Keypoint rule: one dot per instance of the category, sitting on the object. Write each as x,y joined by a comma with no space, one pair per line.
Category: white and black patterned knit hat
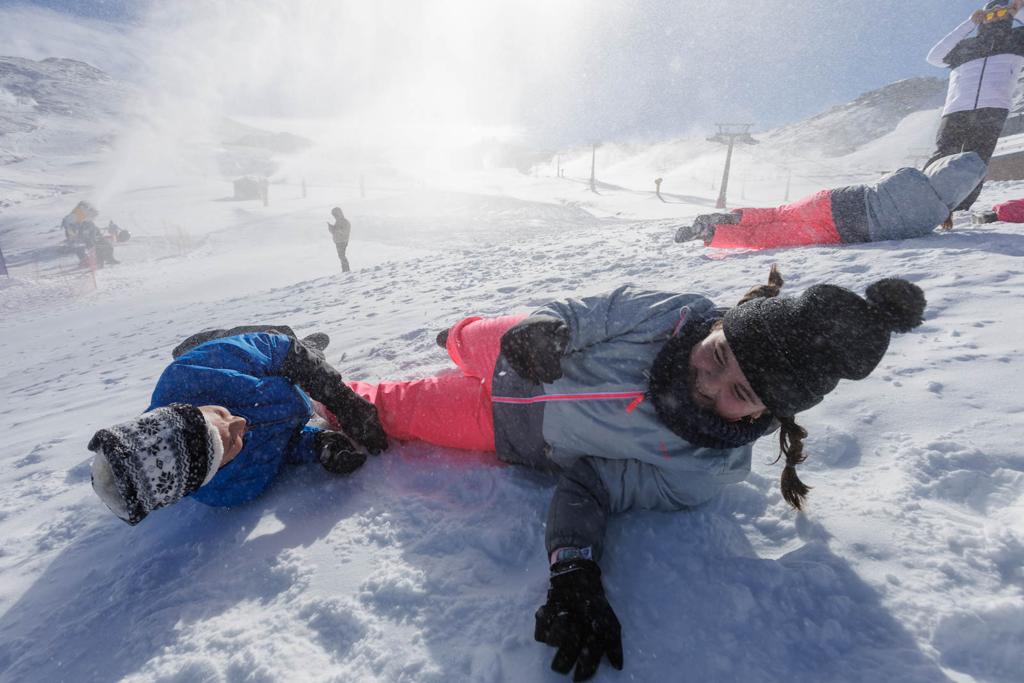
154,460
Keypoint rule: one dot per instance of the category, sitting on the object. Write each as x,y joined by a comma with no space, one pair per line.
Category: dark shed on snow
247,187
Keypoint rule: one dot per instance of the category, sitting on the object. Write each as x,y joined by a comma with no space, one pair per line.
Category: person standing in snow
639,399
265,191
340,231
985,68
224,417
907,203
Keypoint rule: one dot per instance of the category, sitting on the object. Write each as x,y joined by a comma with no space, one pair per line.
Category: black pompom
900,304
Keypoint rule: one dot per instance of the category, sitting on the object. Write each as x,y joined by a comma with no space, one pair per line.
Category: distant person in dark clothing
985,68
81,232
341,229
265,191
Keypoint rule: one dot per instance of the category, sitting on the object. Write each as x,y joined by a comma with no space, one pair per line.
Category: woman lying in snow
904,204
636,398
224,417
639,399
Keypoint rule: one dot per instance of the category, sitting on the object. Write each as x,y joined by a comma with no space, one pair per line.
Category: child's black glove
358,418
337,454
306,366
534,348
578,620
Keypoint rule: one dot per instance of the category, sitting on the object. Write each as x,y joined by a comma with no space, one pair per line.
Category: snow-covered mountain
845,128
62,114
56,107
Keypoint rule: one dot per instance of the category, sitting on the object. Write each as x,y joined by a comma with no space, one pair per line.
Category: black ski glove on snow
534,347
336,453
358,418
578,620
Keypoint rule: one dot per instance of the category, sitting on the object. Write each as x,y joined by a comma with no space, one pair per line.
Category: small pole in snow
303,188
593,165
3,264
558,166
789,179
657,188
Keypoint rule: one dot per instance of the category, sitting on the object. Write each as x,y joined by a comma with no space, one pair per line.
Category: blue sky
657,68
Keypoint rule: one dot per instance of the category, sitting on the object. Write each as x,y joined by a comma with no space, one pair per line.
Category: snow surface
427,565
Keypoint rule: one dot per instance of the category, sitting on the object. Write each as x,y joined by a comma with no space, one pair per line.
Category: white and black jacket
985,67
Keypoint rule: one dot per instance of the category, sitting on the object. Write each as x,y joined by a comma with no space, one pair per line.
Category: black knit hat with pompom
794,350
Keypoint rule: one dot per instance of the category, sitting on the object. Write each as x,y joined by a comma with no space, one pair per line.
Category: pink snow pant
807,221
453,409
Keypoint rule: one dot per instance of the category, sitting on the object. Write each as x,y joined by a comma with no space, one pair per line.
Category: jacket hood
955,176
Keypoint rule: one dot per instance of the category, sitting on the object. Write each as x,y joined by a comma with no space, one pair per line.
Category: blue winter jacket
243,374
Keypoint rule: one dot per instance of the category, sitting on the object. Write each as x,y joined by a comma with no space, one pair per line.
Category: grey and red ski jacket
594,425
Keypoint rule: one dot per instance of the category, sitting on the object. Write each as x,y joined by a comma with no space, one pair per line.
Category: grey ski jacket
340,231
594,425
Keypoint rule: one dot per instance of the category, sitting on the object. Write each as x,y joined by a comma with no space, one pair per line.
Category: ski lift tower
730,134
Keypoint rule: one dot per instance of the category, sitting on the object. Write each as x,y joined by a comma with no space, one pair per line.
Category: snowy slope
845,128
56,119
880,131
428,564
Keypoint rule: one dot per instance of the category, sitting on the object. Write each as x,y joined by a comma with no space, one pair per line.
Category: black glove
534,348
703,227
337,454
578,620
358,417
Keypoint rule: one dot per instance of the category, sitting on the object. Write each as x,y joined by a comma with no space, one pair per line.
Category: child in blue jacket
224,417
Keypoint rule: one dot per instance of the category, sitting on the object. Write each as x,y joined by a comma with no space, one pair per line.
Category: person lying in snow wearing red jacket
904,204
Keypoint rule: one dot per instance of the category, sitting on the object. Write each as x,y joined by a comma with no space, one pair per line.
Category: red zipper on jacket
637,396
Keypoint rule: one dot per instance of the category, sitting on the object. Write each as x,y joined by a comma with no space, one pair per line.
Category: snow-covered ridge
60,94
845,128
60,86
42,101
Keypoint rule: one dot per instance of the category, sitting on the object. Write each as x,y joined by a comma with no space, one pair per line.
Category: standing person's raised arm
937,55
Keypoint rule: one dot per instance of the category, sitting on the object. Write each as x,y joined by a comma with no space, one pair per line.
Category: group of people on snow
95,247
632,399
985,54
